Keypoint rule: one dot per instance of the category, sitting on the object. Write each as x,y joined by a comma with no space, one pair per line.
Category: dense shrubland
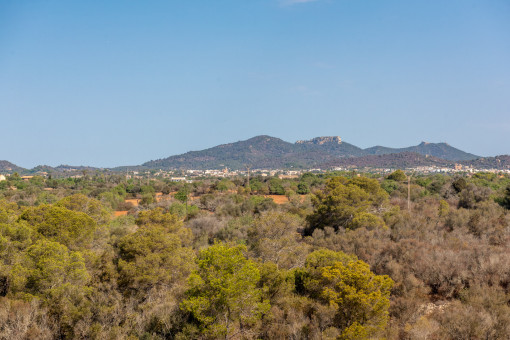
343,258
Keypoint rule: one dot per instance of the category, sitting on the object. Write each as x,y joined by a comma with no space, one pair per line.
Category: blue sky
107,83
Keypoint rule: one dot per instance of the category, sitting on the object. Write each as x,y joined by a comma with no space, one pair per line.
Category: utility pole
248,168
409,192
186,191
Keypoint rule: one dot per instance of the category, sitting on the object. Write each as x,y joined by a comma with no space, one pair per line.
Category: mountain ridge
439,150
7,166
270,152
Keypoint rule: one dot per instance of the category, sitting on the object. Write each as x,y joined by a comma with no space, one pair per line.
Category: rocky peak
321,140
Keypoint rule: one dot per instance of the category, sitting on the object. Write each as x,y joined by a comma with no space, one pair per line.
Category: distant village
195,174
189,175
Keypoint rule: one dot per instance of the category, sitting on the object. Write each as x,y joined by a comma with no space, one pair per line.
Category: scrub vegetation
345,256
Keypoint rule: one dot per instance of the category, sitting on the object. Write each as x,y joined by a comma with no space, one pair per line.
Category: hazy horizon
116,83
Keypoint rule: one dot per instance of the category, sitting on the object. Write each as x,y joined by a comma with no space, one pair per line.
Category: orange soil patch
160,197
282,199
134,202
120,213
278,199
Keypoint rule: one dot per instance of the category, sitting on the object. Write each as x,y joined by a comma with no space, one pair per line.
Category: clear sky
108,83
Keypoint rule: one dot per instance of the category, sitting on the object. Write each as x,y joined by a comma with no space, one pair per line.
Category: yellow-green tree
398,176
168,221
444,208
158,217
87,205
71,228
47,266
52,273
359,298
153,257
347,203
223,296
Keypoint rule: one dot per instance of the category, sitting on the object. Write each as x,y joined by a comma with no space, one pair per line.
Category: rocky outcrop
321,140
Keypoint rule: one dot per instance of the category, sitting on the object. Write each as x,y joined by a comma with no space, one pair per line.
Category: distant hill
393,160
260,152
43,168
61,169
271,152
498,162
8,167
439,150
333,146
65,167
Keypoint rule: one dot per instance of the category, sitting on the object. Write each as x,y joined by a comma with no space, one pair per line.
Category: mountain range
266,152
8,167
271,152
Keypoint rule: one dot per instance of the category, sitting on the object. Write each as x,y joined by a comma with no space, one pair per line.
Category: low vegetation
342,257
